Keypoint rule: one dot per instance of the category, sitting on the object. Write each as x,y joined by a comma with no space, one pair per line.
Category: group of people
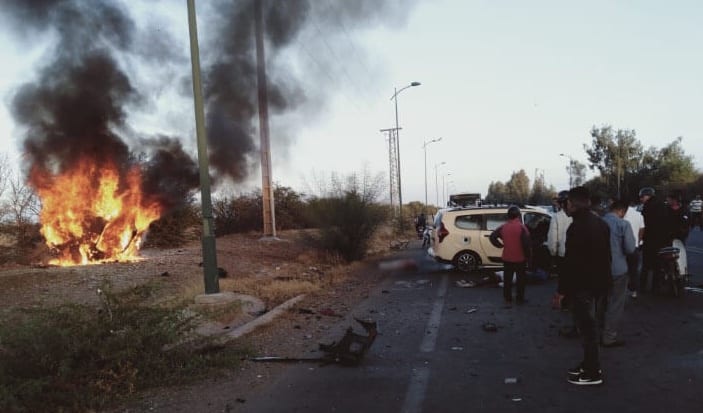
600,254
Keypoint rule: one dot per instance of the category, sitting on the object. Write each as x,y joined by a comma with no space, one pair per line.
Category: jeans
585,314
614,308
510,268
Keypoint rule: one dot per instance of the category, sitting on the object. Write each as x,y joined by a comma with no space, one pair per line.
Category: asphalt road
433,355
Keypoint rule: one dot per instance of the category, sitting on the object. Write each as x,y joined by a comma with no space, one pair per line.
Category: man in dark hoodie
587,270
657,235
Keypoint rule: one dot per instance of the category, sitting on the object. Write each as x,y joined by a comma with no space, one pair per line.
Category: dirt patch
272,270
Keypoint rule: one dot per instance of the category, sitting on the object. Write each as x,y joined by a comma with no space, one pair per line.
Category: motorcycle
671,276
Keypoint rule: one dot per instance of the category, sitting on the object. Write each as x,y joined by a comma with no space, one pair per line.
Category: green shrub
347,217
74,358
245,212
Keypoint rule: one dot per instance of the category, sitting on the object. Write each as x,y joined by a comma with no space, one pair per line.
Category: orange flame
91,215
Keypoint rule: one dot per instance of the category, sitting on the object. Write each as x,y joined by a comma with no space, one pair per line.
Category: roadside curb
260,321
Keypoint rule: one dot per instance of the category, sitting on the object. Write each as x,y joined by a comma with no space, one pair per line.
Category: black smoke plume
78,102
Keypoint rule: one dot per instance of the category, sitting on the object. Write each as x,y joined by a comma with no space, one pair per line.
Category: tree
578,172
624,166
674,167
5,178
518,187
541,194
616,155
497,193
23,207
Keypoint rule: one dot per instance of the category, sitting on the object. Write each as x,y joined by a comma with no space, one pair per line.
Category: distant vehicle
460,235
465,200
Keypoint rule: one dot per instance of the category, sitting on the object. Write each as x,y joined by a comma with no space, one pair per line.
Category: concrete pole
266,186
212,285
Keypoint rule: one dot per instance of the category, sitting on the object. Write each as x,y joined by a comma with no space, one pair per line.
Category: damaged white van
461,235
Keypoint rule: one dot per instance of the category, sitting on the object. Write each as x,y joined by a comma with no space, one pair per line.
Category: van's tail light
443,232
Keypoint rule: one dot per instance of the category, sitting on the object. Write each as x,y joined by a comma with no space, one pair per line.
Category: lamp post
450,187
396,91
424,147
436,182
571,165
444,187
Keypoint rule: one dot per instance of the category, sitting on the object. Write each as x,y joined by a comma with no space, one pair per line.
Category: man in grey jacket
622,244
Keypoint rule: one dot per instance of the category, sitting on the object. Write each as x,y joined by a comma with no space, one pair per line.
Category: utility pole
393,172
212,285
266,187
424,148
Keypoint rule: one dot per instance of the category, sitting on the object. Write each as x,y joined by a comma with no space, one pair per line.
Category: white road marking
415,395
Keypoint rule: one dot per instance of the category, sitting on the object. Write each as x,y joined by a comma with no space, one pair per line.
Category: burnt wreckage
348,351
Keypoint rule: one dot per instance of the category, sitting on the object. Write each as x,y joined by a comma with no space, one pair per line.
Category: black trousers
586,315
510,268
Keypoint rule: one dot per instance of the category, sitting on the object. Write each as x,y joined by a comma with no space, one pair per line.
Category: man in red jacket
515,239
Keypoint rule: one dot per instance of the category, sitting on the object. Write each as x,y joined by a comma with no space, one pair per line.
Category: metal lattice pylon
394,181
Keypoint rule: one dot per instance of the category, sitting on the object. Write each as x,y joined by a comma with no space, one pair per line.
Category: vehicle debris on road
349,351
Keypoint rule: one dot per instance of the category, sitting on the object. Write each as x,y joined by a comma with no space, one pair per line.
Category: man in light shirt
695,208
634,260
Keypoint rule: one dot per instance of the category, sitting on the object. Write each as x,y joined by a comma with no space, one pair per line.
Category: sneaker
575,372
634,294
616,343
578,370
586,379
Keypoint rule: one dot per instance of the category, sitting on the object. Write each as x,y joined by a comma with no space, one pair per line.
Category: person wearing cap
587,277
514,238
657,235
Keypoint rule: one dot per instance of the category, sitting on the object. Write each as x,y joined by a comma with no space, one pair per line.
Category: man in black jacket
657,235
587,279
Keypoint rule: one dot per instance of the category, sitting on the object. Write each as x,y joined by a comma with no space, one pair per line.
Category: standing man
657,235
516,252
622,245
587,278
695,208
634,260
678,217
556,243
556,237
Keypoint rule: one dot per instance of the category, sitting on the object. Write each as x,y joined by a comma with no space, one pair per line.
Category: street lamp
396,91
571,165
424,147
444,187
450,187
436,182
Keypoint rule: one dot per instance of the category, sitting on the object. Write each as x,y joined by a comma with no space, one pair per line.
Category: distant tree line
623,166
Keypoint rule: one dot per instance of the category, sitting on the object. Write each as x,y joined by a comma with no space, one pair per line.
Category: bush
347,218
245,212
74,358
171,229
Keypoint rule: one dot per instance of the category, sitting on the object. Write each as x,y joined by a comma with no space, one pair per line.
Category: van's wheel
467,261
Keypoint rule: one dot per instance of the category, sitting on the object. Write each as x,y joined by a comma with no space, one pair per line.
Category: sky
506,85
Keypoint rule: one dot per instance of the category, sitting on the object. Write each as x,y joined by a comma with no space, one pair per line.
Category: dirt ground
272,270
